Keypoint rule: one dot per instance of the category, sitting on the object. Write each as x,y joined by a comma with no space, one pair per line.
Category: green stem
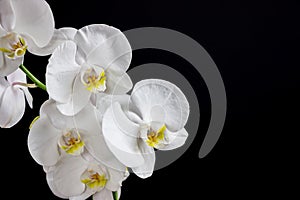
32,77
115,195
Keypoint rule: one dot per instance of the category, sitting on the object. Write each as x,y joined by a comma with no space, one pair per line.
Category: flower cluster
91,131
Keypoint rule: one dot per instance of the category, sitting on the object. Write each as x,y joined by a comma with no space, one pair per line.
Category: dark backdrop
255,48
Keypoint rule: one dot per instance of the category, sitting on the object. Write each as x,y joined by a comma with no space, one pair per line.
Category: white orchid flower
53,135
23,24
77,179
96,62
160,113
12,98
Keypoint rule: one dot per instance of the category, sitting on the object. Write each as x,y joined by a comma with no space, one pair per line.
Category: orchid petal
61,72
87,120
65,178
99,150
121,136
56,119
104,46
7,15
3,85
174,140
42,142
59,36
117,83
47,168
12,107
154,95
114,52
146,169
115,179
133,116
80,97
52,187
28,97
35,19
9,65
17,76
86,194
104,194
2,32
104,101
119,191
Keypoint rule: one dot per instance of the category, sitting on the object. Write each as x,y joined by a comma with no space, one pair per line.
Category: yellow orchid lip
154,138
71,142
16,46
94,180
94,82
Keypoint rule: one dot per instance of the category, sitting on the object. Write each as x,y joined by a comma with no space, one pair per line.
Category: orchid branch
36,81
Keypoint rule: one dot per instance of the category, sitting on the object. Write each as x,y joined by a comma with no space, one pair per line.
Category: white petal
174,139
163,96
134,117
7,15
17,76
87,119
46,169
146,169
28,96
8,65
104,194
65,178
57,120
117,83
1,63
34,18
104,101
59,36
121,136
104,46
115,179
12,107
97,147
20,76
42,142
3,85
2,32
61,72
119,193
54,190
86,194
80,97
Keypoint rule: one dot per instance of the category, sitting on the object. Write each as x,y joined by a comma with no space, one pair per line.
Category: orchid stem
36,81
115,195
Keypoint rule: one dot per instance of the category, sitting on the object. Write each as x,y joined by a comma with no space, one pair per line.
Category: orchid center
94,80
94,180
13,45
154,138
71,142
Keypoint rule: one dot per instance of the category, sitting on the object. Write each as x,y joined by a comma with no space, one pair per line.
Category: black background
255,48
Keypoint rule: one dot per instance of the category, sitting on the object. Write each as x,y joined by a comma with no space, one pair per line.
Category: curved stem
115,195
36,81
